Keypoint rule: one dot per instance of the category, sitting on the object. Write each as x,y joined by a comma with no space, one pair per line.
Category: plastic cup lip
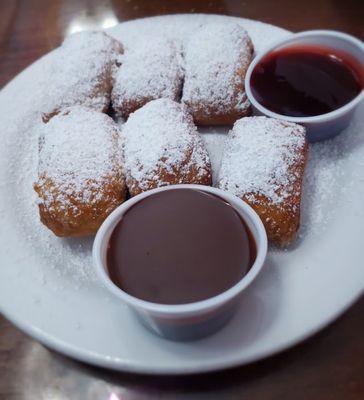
331,116
174,310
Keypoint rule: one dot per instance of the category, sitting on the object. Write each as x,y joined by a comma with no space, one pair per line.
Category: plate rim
93,358
109,362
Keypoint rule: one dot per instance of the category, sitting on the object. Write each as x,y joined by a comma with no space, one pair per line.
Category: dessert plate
48,287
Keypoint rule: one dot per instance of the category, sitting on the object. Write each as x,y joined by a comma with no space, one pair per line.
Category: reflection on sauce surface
304,81
179,246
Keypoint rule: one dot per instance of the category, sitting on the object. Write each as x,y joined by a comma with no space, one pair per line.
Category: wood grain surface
330,366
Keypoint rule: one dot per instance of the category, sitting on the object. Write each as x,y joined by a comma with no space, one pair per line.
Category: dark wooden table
328,366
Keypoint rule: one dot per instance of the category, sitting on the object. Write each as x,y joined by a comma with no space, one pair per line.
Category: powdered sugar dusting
216,58
78,154
60,263
258,157
80,71
327,165
150,70
214,138
47,284
161,136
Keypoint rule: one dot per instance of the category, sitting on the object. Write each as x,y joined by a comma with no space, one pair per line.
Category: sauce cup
327,125
192,320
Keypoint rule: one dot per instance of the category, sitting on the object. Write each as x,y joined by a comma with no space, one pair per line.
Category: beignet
161,147
216,59
148,72
79,173
263,163
82,72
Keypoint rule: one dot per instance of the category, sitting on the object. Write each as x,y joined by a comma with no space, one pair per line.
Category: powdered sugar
161,136
258,158
216,58
214,138
327,165
150,70
47,284
78,154
65,263
79,72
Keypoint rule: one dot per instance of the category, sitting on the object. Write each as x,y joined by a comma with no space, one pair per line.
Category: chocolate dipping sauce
304,80
179,246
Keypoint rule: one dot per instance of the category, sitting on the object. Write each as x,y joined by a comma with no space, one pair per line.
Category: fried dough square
216,59
263,163
161,146
82,71
151,70
80,179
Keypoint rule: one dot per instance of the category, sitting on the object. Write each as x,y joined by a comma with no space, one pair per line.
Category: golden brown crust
205,114
263,163
213,117
162,147
282,221
165,177
79,218
209,97
80,180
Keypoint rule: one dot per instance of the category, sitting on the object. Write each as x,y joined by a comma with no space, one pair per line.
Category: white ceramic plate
48,287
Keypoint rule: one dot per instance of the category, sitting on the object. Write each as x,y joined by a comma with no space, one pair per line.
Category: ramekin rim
104,233
332,115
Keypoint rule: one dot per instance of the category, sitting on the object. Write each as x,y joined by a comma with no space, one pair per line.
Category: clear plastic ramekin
192,320
327,125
